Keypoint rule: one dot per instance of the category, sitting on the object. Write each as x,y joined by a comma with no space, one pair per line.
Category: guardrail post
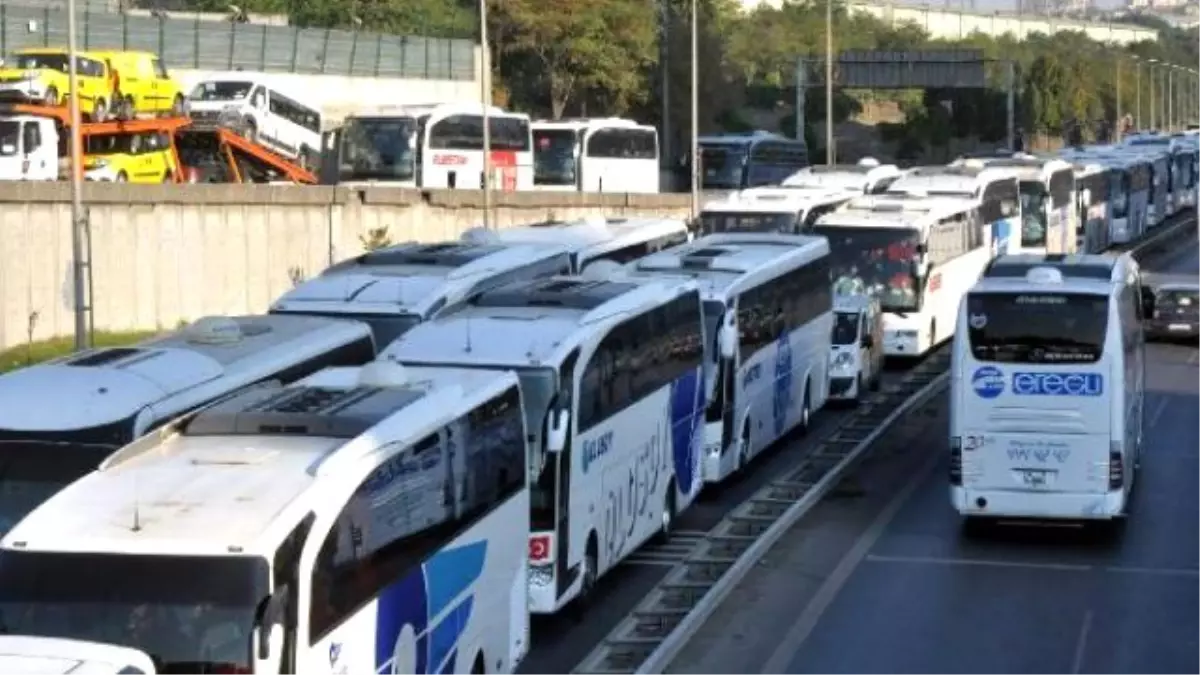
46,27
3,29
162,38
378,51
325,50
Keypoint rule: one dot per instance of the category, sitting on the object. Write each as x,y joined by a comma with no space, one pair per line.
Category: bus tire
668,514
478,666
805,411
743,458
591,570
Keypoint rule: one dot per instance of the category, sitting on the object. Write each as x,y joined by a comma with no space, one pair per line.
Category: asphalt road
561,641
889,582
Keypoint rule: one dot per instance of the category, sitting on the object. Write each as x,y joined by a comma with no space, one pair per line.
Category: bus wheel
743,458
805,411
591,566
478,666
668,514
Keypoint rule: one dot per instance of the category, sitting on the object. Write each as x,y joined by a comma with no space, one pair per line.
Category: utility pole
78,217
1150,69
1137,85
485,98
695,149
829,156
1120,118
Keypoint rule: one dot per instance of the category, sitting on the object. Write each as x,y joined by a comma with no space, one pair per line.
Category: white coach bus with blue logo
1047,189
1048,388
768,310
364,520
613,378
995,192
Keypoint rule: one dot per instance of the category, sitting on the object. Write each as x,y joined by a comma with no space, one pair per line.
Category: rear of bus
1037,429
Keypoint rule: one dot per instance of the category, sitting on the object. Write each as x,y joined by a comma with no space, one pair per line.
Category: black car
1176,310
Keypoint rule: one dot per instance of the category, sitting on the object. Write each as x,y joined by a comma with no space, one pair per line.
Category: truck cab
28,148
856,351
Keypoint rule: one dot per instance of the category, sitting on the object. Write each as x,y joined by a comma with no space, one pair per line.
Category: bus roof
222,482
732,261
589,123
894,210
408,278
172,373
1025,166
1039,280
592,234
963,179
784,199
415,110
531,323
1104,267
842,176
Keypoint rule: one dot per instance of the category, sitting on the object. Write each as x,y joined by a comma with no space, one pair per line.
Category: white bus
1180,157
60,419
768,308
740,161
1047,189
994,191
918,256
1093,207
434,147
1048,388
868,176
592,238
363,520
256,106
783,210
595,155
393,289
613,378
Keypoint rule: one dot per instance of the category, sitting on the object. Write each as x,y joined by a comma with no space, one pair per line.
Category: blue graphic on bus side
1057,384
782,399
417,599
1001,233
988,382
595,448
687,405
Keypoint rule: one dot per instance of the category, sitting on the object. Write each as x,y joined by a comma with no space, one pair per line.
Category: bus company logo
595,448
988,382
1058,384
449,160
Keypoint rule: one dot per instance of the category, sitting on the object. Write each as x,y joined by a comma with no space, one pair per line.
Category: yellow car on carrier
142,84
143,157
41,76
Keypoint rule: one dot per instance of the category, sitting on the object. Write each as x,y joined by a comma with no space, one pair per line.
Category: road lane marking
1081,643
1156,571
978,562
1158,411
782,657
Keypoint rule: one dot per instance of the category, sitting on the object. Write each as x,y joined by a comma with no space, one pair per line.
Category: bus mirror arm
728,339
556,437
268,632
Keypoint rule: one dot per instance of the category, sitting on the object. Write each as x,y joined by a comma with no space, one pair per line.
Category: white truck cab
28,148
50,656
856,350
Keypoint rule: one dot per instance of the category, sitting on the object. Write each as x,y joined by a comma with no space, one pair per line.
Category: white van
261,112
28,148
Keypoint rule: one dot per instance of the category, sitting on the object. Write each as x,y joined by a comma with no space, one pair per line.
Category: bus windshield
190,614
721,166
724,221
1044,328
379,149
1034,201
874,260
554,156
33,471
845,328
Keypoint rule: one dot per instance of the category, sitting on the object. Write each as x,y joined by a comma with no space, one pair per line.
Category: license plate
1036,477
1179,326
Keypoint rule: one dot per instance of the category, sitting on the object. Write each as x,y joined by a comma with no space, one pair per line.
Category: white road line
1081,644
978,562
1157,571
781,658
1158,411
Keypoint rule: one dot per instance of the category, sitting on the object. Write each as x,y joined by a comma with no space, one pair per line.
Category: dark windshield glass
715,221
1037,327
721,167
385,328
221,91
845,328
874,260
378,149
43,61
554,156
190,614
1034,201
31,472
1180,300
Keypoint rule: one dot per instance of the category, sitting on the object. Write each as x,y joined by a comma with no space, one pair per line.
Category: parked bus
366,519
393,289
1180,159
768,307
613,379
1048,388
1093,207
740,161
917,255
432,147
994,191
595,155
60,419
1129,194
784,210
1047,189
592,238
867,176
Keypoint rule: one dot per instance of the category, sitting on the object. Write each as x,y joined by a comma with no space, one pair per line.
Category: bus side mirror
556,435
868,341
268,633
1148,302
728,339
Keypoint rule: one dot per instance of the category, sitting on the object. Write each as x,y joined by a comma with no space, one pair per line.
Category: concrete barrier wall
161,254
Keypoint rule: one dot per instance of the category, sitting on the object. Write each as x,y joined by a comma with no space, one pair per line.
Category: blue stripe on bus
418,598
687,405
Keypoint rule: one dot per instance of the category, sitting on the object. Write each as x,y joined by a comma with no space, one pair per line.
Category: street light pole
1171,98
77,215
1150,72
485,99
1137,85
695,149
1120,117
829,82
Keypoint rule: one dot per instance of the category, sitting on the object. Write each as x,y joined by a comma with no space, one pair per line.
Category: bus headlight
842,360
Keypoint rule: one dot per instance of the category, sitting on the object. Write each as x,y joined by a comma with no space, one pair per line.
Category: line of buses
414,451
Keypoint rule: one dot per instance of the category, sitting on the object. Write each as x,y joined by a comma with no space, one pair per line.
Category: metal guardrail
223,45
653,634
